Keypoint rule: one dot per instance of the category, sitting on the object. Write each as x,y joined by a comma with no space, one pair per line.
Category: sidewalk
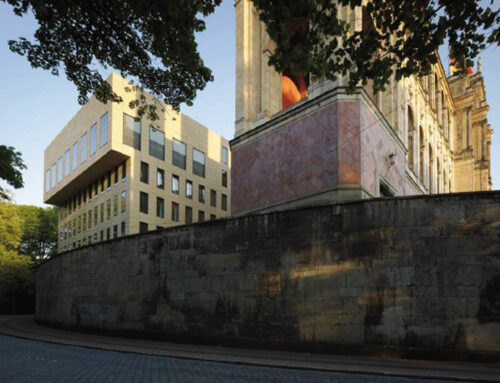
26,327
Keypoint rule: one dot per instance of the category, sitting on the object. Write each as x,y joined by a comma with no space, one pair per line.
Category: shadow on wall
417,274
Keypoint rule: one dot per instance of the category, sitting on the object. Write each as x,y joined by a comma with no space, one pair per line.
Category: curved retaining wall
411,273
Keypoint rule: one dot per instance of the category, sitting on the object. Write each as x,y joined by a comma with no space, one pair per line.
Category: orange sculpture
292,90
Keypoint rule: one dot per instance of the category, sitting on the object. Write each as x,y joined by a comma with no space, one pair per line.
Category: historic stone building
300,143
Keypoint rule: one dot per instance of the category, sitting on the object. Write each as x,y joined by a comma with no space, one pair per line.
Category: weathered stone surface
407,272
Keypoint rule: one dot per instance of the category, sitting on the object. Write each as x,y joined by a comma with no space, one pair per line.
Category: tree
16,271
39,232
153,42
11,165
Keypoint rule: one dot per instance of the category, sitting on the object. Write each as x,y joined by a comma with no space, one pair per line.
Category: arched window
411,139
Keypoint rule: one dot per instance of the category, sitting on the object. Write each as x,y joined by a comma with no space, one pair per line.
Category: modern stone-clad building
301,141
112,175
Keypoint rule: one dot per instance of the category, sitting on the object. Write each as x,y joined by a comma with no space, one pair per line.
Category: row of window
69,163
160,204
132,137
97,215
160,180
94,238
93,190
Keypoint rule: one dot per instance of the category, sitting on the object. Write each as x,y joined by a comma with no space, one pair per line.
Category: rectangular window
47,181
115,231
189,215
89,191
102,184
93,139
143,208
123,229
108,209
67,162
124,171
156,143
160,207
143,227
201,193
224,155
75,156
115,205
213,198
160,178
189,189
102,212
198,163
175,184
131,132
175,212
144,172
103,138
108,233
53,172
116,175
83,151
179,154
109,180
96,212
224,202
123,201
224,178
201,216
212,217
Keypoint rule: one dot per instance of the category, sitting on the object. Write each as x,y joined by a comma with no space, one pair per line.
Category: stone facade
420,273
425,135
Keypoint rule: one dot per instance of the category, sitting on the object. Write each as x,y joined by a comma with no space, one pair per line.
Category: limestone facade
421,136
109,181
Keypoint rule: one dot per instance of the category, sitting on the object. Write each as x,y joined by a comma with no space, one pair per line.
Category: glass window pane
47,180
156,143
225,155
67,160
131,132
53,172
83,151
160,207
144,203
123,201
175,212
75,156
198,163
93,139
103,139
59,169
160,178
189,189
179,154
144,172
175,184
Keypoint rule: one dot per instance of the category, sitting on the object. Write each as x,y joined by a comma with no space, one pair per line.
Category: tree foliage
150,41
16,270
153,42
11,166
39,232
398,37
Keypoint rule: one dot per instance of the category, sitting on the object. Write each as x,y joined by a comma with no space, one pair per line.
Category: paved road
31,361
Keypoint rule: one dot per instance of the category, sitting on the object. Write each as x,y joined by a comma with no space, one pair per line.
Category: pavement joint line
109,345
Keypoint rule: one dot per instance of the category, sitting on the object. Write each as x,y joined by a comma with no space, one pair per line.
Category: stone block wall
419,273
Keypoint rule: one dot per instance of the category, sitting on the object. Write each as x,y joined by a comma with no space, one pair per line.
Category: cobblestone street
31,361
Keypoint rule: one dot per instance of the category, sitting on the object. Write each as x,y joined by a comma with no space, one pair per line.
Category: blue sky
36,105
